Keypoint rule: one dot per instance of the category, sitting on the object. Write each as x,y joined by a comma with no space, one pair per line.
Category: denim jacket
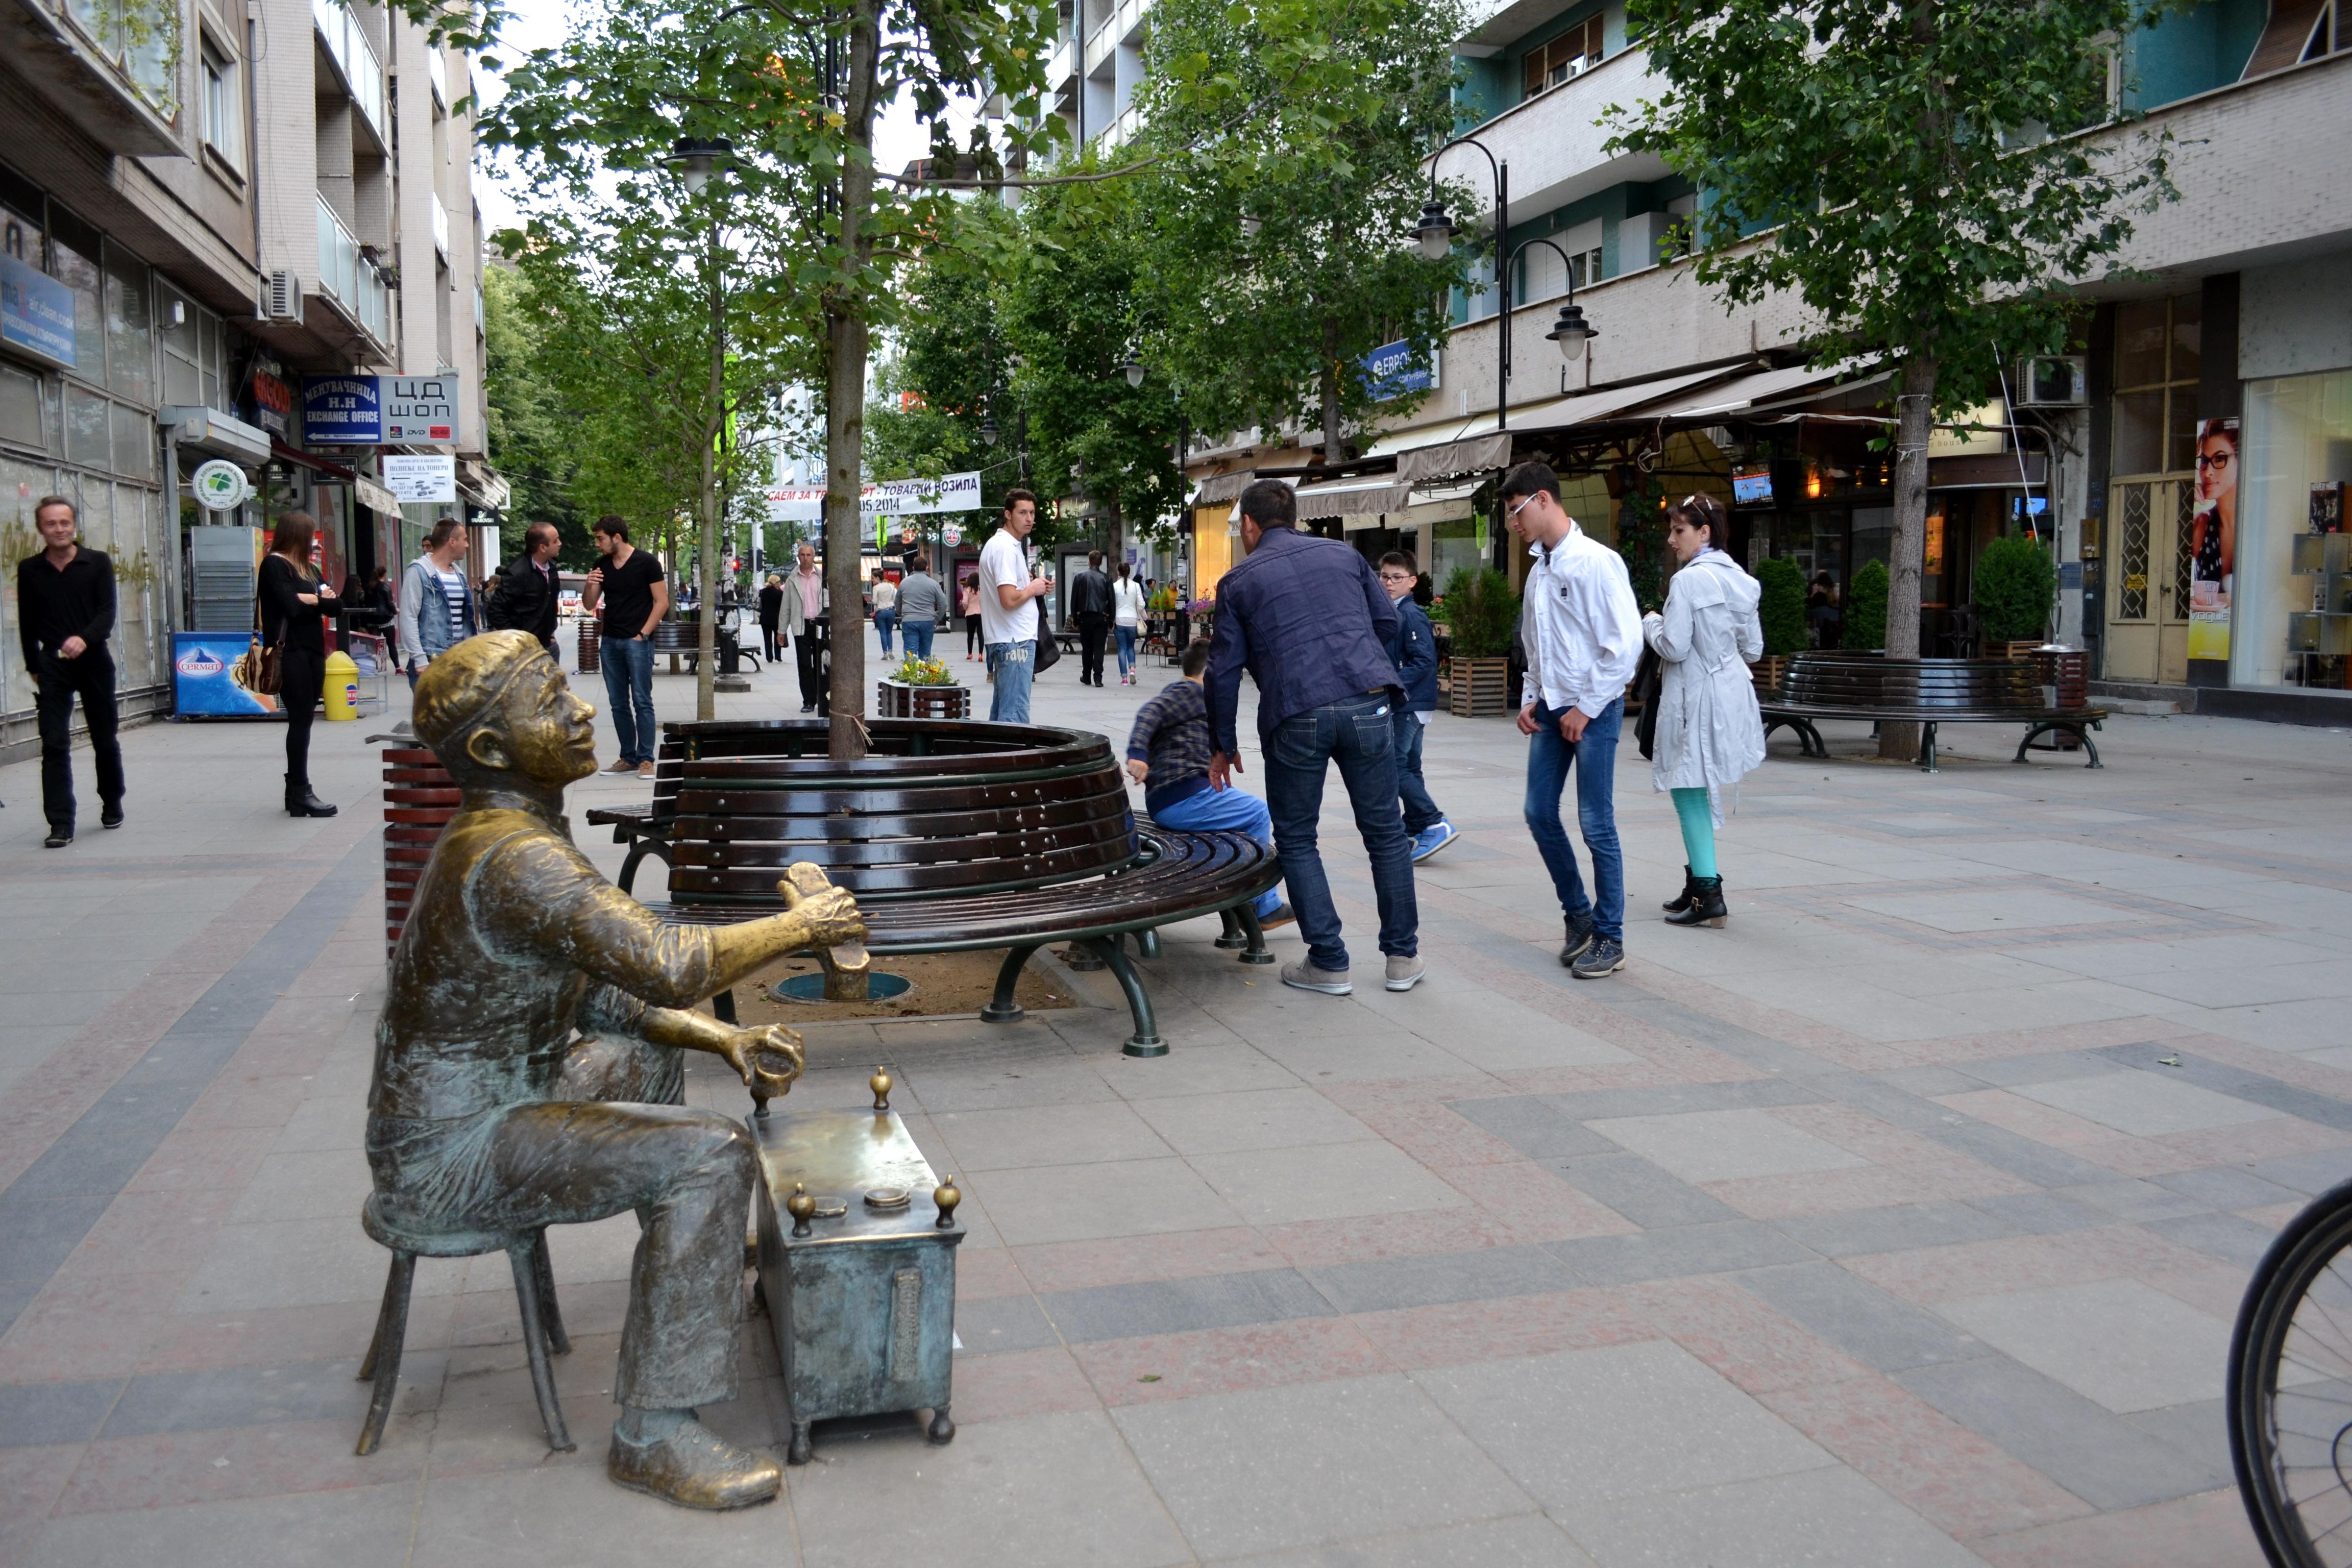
424,614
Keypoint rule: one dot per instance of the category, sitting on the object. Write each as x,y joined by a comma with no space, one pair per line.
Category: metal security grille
2184,498
2131,577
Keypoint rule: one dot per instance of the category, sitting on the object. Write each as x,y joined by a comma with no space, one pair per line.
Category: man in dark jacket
1090,607
1310,622
65,613
771,617
528,595
1415,650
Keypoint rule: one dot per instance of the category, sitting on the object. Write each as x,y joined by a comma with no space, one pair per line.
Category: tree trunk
1914,409
1333,453
706,634
844,398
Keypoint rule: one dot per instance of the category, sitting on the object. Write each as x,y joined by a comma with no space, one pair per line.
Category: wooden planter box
2018,651
897,699
1479,687
592,645
419,799
1768,672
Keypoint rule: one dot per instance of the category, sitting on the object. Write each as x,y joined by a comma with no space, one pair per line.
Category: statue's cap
462,684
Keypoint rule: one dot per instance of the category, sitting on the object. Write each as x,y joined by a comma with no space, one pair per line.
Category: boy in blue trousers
1416,660
1168,754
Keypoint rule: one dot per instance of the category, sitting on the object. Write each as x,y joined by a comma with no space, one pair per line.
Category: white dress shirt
1583,628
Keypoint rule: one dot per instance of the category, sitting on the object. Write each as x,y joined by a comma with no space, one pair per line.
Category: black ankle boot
1706,906
301,802
1681,901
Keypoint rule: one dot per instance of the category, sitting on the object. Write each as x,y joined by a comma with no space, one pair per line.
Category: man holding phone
1009,617
628,583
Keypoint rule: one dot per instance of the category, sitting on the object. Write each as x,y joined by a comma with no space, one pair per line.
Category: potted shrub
2014,587
1483,616
1783,610
1866,608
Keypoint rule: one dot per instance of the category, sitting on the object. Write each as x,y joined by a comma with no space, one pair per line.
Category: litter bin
342,691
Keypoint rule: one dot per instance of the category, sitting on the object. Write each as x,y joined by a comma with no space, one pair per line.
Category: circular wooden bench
1924,691
953,836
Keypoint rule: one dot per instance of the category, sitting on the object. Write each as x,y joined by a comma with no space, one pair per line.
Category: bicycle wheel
2290,1390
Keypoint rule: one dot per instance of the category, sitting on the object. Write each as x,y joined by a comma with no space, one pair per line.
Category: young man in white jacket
1583,636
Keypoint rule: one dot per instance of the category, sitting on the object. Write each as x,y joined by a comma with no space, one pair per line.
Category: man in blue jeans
1309,621
628,585
1583,636
1009,617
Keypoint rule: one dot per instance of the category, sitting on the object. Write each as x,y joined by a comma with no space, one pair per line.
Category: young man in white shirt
1009,592
1583,634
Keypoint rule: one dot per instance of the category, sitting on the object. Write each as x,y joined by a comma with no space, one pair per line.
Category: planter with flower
921,688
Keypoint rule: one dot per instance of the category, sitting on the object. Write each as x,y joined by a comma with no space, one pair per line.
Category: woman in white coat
1709,733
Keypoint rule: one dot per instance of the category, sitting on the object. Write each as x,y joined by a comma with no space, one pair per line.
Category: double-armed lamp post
698,162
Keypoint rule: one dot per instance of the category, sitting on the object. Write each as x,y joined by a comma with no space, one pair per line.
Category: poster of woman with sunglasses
2213,539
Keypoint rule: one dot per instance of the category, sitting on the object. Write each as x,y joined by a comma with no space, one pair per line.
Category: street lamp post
1436,234
698,163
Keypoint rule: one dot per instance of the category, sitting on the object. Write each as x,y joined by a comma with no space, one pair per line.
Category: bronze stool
542,1324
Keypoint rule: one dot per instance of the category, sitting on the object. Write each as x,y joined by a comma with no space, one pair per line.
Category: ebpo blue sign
1389,372
343,410
37,311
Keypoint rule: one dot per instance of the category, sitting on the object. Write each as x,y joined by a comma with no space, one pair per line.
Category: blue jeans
1420,813
917,634
1358,735
1014,664
882,621
629,685
1126,648
1234,811
1549,755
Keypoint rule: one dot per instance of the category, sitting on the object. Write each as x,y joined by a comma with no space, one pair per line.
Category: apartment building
210,209
2241,310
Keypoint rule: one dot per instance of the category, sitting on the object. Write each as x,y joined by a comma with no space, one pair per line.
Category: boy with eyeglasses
1415,652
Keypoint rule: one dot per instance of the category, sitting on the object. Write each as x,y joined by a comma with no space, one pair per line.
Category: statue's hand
832,915
769,1060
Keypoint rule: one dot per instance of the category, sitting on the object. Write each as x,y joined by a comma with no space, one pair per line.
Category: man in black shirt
65,599
628,582
527,595
1090,607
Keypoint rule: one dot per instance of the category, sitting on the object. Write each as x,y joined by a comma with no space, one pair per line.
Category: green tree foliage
1641,540
1312,118
1921,210
1866,608
1480,612
2014,587
1782,608
535,434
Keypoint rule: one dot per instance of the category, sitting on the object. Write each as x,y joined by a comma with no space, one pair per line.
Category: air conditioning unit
282,297
2054,381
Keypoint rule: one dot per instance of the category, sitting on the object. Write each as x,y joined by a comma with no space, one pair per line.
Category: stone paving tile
364,1527
1051,1267
166,1469
1115,1198
1875,1327
1021,1382
999,1323
1220,1123
1392,1283
1312,1465
2117,1342
1175,1305
1739,1336
2208,1529
1323,1181
1527,1540
1227,1359
1893,1228
1643,1193
1672,1254
1533,1200
1816,1518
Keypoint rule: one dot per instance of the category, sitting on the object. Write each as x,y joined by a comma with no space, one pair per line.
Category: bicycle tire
2272,1332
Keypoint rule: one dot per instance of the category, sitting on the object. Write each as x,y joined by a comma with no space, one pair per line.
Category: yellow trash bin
342,686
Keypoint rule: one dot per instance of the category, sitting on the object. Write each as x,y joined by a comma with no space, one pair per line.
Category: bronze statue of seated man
528,1067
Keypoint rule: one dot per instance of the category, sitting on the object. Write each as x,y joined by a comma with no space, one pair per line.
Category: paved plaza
1901,1222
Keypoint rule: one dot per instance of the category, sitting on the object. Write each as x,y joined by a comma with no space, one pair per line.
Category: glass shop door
2148,578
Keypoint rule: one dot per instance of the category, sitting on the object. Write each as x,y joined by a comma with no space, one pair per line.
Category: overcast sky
541,24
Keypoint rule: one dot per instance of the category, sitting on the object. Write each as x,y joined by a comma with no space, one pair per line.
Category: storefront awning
1448,458
1223,486
1744,395
1555,413
1353,497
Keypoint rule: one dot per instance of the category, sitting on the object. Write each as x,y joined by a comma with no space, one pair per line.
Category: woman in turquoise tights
1709,733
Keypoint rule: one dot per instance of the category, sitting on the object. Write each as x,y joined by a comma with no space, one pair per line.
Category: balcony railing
355,62
350,278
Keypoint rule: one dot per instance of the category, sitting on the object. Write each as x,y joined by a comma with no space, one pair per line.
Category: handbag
1649,679
1049,654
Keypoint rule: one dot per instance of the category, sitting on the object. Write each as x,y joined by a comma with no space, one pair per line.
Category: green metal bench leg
1234,938
1146,1040
1256,952
1927,749
1147,943
638,850
2080,736
1002,1008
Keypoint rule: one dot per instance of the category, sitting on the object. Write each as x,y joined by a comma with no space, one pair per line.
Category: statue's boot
693,1467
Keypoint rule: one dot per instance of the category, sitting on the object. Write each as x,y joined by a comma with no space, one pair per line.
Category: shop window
134,442
179,324
74,252
1565,57
130,327
2294,589
2158,351
20,408
87,418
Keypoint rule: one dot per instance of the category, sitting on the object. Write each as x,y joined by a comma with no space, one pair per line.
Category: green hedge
1866,608
2014,586
1782,610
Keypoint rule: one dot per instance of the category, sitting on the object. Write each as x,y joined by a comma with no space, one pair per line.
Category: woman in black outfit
294,602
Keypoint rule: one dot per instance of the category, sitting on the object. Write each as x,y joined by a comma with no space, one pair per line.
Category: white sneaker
1404,974
1305,977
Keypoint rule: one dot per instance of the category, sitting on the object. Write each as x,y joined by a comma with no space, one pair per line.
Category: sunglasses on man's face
1525,502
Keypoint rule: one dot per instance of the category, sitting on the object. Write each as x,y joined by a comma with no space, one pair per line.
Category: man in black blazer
529,594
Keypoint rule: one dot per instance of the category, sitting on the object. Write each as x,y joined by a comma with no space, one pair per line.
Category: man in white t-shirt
1009,592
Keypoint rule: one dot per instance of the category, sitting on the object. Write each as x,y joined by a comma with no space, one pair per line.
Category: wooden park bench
1924,691
953,836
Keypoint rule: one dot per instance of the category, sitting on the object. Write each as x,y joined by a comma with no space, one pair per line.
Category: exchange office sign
381,410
